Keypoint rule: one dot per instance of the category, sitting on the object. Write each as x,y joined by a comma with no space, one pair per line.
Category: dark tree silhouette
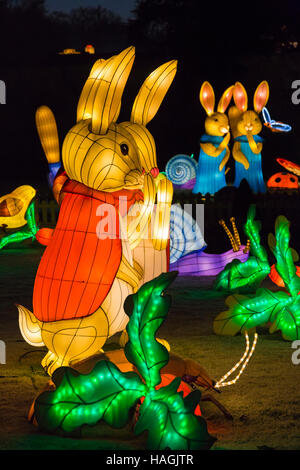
225,28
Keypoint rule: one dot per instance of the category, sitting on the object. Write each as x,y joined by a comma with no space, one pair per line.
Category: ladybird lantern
283,180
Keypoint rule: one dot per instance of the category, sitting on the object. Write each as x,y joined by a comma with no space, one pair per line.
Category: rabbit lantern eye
124,149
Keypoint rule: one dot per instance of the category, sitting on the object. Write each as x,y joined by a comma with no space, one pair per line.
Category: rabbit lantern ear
101,95
207,98
240,97
87,97
261,96
152,93
225,99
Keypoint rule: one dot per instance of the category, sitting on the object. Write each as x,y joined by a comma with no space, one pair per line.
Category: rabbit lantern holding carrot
214,152
101,251
246,126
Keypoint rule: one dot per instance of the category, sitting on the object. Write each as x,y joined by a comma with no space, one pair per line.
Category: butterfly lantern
274,126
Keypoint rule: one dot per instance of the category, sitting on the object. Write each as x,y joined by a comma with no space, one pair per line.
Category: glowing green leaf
284,256
175,426
28,232
109,394
30,217
245,312
106,393
147,310
288,321
252,228
15,237
238,276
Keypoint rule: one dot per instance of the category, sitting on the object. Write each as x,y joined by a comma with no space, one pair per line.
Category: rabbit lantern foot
214,152
246,126
100,251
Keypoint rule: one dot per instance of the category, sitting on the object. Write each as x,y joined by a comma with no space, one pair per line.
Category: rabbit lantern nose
155,172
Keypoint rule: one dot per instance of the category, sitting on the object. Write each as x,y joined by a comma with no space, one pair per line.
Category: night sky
121,7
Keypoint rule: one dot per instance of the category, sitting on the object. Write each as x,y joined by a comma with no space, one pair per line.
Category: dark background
220,43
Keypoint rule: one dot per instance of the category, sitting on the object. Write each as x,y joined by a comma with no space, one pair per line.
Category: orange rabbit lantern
100,251
283,180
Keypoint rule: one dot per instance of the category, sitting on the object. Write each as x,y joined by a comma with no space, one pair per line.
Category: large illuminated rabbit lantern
214,151
246,126
101,251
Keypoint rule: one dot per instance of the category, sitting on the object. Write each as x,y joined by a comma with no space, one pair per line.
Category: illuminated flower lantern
13,207
100,252
17,212
246,125
214,152
89,49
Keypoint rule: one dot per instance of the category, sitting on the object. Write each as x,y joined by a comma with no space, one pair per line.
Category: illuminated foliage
248,275
109,394
283,180
284,255
105,393
281,309
246,126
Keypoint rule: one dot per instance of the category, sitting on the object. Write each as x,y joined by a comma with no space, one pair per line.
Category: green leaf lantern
238,276
281,309
108,394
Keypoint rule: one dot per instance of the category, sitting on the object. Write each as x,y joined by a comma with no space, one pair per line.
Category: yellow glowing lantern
47,130
69,52
89,49
13,207
109,238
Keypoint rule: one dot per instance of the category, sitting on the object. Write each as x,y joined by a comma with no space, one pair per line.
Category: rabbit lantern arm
255,147
162,214
225,159
141,212
213,151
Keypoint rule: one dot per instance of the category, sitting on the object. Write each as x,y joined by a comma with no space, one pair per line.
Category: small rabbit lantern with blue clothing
214,151
246,125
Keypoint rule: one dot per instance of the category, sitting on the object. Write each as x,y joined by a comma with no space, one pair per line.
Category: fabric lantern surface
101,250
214,151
